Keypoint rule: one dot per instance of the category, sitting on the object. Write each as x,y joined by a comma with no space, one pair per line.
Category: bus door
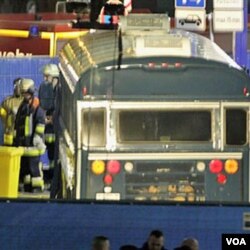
92,136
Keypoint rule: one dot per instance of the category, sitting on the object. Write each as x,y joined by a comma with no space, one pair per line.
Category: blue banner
190,3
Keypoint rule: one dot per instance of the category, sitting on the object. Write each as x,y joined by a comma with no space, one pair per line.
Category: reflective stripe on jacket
49,133
8,112
33,151
8,139
50,138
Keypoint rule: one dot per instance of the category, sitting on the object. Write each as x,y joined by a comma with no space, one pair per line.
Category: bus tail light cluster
109,170
221,168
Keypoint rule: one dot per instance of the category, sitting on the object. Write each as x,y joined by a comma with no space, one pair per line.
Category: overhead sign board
228,4
190,3
228,21
228,15
191,19
145,21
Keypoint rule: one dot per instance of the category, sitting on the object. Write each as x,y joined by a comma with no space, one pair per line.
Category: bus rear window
93,133
160,126
236,127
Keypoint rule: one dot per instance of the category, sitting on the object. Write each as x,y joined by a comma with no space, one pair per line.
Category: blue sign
190,3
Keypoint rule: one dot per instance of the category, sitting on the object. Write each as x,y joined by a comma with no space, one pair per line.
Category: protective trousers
48,174
30,173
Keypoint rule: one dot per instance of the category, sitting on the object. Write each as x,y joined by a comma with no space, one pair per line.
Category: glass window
163,126
236,126
93,133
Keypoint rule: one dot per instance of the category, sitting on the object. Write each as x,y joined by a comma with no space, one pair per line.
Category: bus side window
93,127
236,127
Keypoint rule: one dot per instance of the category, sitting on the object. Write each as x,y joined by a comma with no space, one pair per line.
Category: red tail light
84,91
108,179
221,178
215,166
151,65
164,65
245,92
113,167
178,65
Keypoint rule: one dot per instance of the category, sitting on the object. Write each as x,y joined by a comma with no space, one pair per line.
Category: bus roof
105,46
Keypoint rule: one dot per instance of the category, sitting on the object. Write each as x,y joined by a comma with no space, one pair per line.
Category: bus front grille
165,181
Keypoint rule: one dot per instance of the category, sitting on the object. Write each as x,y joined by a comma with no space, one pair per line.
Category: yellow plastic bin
10,158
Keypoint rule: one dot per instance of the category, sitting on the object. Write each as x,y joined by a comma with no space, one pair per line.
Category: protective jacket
8,112
29,128
46,96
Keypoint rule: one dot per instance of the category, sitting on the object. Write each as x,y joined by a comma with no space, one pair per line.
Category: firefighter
46,94
8,112
50,145
29,133
56,183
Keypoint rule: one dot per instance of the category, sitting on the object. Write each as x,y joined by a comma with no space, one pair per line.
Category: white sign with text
228,4
228,21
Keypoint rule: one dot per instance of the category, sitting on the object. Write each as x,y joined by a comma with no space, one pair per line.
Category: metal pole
240,45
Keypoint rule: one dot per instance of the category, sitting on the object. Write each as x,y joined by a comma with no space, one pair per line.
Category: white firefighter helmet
17,86
51,70
27,86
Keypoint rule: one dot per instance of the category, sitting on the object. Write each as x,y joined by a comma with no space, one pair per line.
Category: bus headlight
231,166
98,167
129,167
201,166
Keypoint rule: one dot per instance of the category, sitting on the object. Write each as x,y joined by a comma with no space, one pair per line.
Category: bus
151,113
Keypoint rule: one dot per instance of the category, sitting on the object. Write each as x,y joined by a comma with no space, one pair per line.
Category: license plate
108,196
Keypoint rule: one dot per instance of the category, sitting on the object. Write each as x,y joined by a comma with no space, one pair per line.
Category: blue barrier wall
55,225
11,68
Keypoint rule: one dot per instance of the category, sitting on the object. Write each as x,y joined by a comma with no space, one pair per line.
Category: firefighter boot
27,183
37,184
